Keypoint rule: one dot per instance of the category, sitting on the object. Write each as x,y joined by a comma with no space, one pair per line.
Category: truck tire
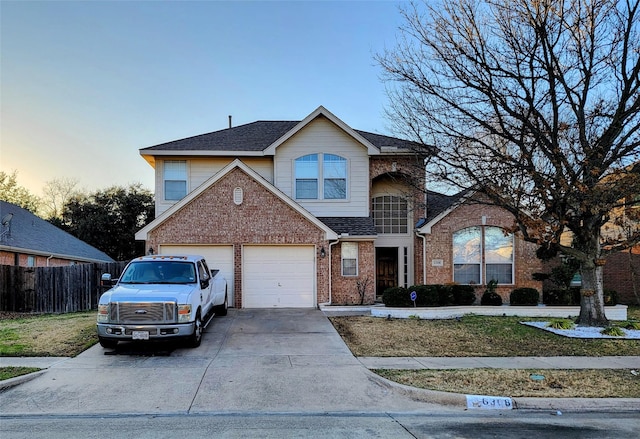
221,310
108,343
196,338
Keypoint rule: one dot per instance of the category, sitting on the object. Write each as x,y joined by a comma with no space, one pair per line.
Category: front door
386,269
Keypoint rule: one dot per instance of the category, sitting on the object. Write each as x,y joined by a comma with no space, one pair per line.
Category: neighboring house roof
262,137
141,235
31,234
351,226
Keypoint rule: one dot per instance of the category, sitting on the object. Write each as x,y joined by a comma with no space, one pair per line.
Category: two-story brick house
298,213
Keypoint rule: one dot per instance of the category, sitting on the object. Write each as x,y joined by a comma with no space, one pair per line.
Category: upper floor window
482,254
175,179
334,172
390,214
328,168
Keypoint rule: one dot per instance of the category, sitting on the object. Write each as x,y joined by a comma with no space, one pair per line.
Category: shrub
396,297
490,297
569,296
524,296
463,294
561,324
613,331
427,295
632,325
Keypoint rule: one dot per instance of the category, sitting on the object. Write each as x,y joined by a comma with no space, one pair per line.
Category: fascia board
371,149
199,153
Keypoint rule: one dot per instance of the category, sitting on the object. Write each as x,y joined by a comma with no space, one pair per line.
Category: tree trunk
592,296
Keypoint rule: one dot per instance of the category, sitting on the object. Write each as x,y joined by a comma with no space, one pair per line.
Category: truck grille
143,312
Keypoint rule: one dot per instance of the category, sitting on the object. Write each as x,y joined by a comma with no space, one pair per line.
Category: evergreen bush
524,296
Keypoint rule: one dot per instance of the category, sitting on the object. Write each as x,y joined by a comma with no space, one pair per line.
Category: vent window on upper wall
175,180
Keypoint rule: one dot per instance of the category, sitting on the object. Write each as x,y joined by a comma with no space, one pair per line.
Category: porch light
322,253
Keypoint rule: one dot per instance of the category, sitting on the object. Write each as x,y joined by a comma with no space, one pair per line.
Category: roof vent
230,124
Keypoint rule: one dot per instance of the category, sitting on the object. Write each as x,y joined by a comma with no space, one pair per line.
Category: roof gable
32,235
142,234
321,111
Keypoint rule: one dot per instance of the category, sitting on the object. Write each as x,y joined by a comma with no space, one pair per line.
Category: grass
477,336
469,336
12,372
586,383
49,335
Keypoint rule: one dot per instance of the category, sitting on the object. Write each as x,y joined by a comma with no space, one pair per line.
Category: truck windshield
159,272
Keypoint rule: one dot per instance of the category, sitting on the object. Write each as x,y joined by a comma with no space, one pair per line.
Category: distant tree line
106,219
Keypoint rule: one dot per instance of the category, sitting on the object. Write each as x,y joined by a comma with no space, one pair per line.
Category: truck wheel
196,337
221,310
107,343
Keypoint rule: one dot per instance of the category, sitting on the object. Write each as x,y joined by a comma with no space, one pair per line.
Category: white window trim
164,180
320,179
343,247
483,263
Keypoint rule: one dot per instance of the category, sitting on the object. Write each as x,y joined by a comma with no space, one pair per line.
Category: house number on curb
489,402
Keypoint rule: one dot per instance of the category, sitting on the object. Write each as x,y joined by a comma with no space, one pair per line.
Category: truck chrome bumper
144,332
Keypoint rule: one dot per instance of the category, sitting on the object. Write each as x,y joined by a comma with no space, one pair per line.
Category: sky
85,84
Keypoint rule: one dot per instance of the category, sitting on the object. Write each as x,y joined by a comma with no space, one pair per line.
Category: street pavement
260,361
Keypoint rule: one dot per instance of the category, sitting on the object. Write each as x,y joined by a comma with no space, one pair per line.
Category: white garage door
278,276
218,257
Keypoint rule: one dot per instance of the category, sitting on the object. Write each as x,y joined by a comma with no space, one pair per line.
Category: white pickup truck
161,297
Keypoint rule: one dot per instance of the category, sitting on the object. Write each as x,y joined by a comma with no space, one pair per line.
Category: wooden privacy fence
53,289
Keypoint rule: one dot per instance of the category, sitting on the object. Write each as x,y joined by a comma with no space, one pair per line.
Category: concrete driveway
279,360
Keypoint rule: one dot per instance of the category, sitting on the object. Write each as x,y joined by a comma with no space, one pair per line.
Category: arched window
331,169
482,254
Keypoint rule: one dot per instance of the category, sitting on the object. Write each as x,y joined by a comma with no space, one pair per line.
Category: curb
520,403
12,382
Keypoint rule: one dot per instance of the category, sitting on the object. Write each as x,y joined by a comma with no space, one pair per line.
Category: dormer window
331,169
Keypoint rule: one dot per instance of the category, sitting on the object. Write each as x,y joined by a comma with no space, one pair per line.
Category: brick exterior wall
618,275
9,258
345,288
439,245
262,218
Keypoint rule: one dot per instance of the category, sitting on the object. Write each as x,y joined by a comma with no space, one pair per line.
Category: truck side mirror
106,281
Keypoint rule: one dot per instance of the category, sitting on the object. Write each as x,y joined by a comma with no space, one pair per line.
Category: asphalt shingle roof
438,203
257,136
354,226
30,232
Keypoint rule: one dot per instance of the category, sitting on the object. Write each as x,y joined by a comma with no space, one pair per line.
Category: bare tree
56,193
534,104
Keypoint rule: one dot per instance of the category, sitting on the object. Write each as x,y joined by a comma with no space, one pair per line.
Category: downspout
331,244
424,257
48,259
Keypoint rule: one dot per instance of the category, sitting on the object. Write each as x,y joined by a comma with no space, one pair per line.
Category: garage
218,257
278,276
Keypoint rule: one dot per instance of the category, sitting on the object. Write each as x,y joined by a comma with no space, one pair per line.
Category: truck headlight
103,313
184,313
